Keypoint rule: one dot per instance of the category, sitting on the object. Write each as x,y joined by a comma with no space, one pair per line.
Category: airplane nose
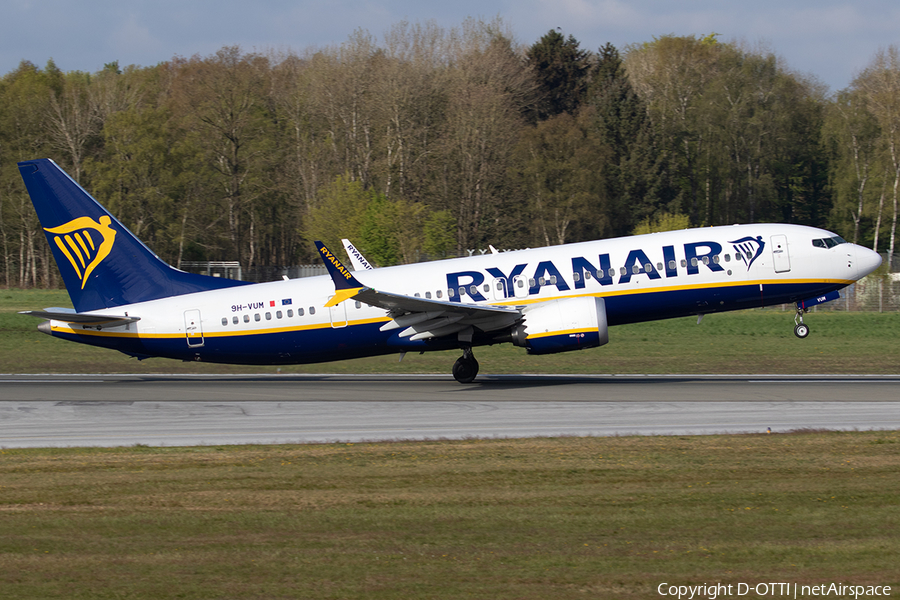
866,261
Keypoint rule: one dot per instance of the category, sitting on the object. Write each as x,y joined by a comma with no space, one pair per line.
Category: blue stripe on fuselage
324,343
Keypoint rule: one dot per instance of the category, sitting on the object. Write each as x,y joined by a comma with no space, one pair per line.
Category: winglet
345,284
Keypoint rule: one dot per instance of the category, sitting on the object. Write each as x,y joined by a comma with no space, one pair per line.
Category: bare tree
880,82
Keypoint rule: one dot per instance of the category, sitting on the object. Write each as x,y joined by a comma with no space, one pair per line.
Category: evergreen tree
560,70
636,178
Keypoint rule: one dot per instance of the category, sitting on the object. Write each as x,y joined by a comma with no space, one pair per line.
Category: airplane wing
70,316
422,318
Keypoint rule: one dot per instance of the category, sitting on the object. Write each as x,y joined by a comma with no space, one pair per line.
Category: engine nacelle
563,325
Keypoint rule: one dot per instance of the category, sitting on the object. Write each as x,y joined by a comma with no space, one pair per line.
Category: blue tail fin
101,262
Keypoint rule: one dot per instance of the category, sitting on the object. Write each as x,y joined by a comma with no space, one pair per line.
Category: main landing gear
466,367
801,329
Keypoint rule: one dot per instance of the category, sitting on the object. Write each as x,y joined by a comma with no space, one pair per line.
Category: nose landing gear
466,367
801,329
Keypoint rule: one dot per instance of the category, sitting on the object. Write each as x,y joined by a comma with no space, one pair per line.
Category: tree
853,132
219,99
24,105
635,171
558,160
880,83
488,88
560,69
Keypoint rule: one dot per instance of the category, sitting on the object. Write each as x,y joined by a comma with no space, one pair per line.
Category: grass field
526,519
756,341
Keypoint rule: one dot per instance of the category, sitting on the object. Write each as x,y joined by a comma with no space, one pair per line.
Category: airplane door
780,257
520,286
338,314
499,287
192,328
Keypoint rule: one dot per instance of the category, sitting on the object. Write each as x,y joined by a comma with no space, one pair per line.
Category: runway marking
52,380
822,381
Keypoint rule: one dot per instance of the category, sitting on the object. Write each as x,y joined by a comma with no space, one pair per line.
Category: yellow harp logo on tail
85,242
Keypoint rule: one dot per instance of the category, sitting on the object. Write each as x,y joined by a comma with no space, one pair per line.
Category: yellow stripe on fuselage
210,334
562,332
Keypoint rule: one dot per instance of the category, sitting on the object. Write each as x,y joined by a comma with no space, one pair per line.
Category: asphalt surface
178,410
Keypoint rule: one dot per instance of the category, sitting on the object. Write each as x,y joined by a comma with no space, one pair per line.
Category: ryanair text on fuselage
637,263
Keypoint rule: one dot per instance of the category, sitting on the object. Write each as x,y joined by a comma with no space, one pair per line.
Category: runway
179,410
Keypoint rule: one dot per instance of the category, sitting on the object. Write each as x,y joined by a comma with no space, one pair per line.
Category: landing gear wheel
466,367
801,329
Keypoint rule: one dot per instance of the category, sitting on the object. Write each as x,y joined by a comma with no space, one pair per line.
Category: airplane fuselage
640,278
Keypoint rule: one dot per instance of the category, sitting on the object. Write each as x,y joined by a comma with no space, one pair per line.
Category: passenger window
278,314
268,316
684,262
636,269
487,287
694,262
612,271
659,266
531,282
427,296
587,275
727,258
473,289
705,260
553,280
234,320
541,280
246,318
672,266
224,321
648,267
450,293
623,271
439,293
312,310
716,259
416,295
359,304
256,317
576,277
299,312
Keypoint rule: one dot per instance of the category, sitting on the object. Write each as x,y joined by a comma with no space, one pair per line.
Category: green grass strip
525,519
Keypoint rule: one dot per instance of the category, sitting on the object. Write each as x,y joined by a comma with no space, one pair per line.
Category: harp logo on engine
84,242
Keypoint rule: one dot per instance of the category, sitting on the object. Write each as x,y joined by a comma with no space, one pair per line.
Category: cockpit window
829,242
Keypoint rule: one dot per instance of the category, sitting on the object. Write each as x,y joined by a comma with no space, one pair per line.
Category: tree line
434,140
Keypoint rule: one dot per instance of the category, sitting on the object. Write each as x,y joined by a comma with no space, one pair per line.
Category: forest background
433,141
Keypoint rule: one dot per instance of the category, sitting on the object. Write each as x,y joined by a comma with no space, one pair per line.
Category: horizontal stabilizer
83,318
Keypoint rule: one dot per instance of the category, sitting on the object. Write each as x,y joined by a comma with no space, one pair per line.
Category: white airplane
547,300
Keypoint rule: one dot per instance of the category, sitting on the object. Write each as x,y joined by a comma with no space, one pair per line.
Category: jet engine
562,325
